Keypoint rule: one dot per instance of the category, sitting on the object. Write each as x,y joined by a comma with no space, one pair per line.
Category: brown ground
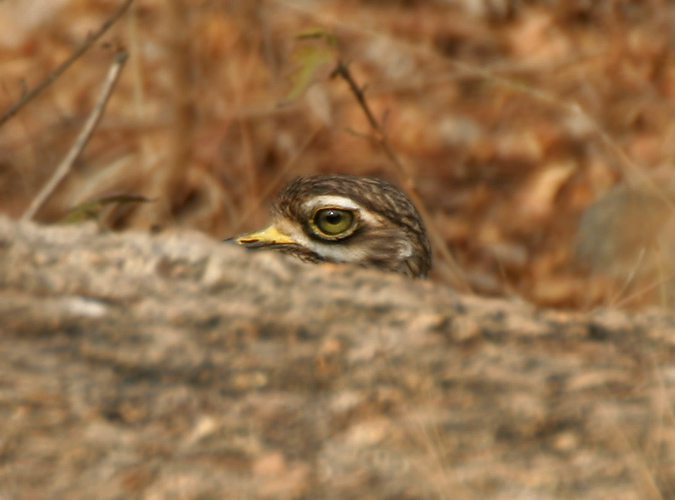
176,367
513,117
171,366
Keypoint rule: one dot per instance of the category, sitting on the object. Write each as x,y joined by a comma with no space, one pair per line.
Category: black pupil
333,217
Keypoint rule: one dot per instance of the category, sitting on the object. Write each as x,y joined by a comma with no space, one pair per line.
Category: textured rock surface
173,366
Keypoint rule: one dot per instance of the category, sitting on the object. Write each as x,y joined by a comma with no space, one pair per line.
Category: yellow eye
333,221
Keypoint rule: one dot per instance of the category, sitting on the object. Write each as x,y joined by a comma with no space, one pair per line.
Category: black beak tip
253,244
250,244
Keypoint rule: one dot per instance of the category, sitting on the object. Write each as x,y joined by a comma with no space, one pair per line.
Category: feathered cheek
391,245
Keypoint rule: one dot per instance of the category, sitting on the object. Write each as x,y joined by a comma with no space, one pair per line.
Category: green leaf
91,210
315,59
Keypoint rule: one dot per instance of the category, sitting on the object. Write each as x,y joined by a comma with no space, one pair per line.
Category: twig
626,300
629,279
53,75
437,241
82,139
170,181
273,185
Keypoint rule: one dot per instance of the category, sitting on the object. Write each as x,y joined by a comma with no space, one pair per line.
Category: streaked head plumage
350,219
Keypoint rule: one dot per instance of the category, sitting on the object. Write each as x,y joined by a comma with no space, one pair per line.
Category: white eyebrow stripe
331,200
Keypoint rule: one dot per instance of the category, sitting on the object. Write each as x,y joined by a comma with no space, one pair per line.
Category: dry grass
511,121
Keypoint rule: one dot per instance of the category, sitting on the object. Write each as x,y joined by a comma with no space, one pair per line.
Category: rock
629,234
174,366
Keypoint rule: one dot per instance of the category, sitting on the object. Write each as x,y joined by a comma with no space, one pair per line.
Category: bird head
348,219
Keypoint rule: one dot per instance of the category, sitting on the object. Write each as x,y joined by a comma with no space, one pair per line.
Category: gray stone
174,366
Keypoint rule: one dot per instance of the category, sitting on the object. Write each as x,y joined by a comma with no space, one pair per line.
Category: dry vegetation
537,135
513,117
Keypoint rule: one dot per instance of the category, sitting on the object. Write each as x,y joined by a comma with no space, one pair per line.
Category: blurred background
538,133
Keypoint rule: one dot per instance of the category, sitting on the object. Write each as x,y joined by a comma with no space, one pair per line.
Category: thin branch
82,139
380,138
171,183
626,300
276,181
629,279
28,96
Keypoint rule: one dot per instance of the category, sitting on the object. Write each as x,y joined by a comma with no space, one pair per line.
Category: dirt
512,119
140,357
176,366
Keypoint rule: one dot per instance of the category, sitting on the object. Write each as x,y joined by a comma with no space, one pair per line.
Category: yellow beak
268,236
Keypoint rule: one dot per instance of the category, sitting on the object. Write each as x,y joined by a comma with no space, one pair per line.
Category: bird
347,219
